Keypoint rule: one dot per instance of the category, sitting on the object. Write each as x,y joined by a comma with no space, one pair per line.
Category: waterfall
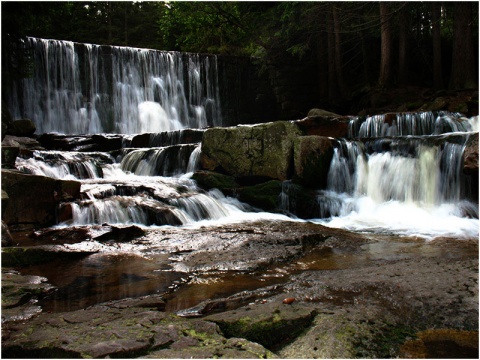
408,185
65,165
403,124
90,89
166,161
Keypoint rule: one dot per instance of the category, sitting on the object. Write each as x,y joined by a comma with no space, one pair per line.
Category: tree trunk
109,14
338,53
322,63
437,46
126,24
386,60
463,72
332,83
402,48
366,70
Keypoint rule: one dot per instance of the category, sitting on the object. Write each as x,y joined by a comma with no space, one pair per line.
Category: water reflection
104,277
99,278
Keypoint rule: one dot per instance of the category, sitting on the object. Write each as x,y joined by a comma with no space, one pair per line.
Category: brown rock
312,156
470,156
23,127
324,126
9,156
33,200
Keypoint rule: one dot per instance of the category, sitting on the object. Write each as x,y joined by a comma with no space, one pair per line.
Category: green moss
264,196
382,341
269,332
210,180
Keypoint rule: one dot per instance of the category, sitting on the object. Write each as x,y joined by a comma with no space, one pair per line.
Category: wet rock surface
332,294
124,329
36,198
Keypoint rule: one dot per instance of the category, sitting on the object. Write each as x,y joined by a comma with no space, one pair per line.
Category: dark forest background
351,49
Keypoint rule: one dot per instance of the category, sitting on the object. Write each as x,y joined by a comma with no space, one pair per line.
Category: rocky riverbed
247,290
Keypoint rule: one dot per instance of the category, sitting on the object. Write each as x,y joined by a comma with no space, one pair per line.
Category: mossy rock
261,151
264,196
212,180
270,326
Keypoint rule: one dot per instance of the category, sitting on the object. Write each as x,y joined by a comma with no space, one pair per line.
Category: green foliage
271,32
214,27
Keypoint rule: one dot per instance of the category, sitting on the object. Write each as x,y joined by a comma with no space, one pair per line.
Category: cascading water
391,175
406,185
145,186
90,89
404,124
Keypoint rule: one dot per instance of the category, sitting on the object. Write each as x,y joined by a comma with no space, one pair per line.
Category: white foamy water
408,219
413,190
89,89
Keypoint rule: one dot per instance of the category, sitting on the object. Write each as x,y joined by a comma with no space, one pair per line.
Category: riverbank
257,289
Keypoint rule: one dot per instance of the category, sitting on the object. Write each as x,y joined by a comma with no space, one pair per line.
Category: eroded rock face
312,156
260,151
470,156
33,200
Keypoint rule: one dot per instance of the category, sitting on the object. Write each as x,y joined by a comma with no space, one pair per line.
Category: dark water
104,277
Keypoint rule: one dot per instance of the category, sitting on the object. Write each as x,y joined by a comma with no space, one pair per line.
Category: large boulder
324,123
312,157
23,127
324,126
25,144
34,200
9,156
262,151
7,119
323,113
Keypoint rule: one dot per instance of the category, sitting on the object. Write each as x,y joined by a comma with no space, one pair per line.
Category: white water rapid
407,186
147,187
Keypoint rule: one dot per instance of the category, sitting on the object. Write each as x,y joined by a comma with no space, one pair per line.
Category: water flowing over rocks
161,264
187,235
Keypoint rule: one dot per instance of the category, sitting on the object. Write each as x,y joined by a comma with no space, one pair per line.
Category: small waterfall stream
402,178
145,186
